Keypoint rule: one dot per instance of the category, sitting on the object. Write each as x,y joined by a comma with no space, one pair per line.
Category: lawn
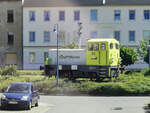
132,83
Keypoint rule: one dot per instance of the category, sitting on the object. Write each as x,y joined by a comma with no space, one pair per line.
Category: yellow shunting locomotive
100,59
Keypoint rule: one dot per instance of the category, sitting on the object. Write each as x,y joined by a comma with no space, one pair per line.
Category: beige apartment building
11,33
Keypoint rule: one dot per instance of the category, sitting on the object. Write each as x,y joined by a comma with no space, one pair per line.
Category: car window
18,88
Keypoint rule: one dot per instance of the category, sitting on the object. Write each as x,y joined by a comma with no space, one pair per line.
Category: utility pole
57,72
79,33
149,53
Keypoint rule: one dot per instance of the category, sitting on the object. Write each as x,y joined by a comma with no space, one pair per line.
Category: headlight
3,97
24,98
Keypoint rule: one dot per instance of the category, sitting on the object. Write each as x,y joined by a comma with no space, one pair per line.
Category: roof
127,2
63,3
103,39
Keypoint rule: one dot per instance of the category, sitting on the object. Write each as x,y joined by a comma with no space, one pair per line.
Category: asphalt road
85,104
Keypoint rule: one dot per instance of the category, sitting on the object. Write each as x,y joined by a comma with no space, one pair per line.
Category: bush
146,71
128,56
143,50
9,70
30,72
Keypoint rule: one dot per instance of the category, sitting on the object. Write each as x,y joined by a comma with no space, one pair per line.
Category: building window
117,35
94,15
32,57
94,34
32,36
45,56
10,38
76,15
46,36
146,14
46,16
61,36
132,15
117,14
10,16
131,36
146,35
61,16
11,59
32,15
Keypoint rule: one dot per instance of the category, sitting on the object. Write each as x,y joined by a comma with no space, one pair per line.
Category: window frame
8,16
46,54
45,16
77,13
34,54
94,12
95,34
10,34
148,31
45,35
33,14
117,31
146,17
62,18
130,15
115,15
132,31
30,37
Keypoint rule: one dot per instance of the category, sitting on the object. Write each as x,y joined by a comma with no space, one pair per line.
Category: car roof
22,83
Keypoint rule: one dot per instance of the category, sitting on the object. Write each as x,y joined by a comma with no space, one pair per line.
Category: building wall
39,57
104,26
15,28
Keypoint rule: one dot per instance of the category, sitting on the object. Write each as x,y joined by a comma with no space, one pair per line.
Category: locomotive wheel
99,79
114,73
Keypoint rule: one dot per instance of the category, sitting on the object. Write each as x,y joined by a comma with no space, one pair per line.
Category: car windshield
18,88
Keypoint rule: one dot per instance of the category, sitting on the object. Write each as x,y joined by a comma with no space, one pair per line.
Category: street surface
85,104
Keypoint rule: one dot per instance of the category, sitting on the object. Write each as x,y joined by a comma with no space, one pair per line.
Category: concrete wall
15,27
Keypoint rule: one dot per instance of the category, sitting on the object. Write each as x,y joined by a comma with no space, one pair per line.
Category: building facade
11,33
128,22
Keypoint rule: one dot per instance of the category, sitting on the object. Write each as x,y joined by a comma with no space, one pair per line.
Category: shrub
143,50
128,56
30,72
9,70
145,71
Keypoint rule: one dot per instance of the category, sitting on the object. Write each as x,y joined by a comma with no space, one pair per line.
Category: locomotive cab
102,52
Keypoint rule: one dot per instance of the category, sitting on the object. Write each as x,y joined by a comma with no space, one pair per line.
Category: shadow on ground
147,108
12,109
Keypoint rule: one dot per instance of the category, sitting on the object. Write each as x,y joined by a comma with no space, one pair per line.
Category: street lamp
57,73
79,33
149,53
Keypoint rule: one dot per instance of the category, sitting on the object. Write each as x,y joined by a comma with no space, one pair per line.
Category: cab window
103,46
111,45
90,47
95,47
117,46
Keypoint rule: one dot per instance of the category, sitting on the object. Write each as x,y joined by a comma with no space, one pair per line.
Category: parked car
20,94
